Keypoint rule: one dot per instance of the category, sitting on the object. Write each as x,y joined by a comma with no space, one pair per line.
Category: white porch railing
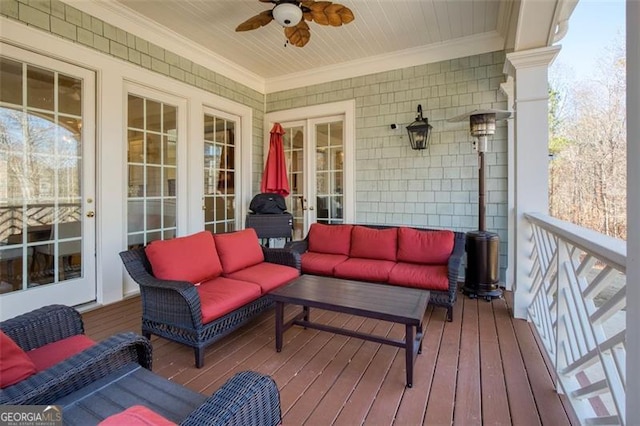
579,283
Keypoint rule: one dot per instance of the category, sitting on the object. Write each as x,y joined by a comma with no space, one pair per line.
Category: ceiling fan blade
327,13
256,22
298,35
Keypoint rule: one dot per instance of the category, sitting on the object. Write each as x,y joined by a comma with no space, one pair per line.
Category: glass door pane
329,163
152,165
41,163
293,142
220,174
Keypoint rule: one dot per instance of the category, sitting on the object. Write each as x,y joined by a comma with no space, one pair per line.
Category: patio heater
482,274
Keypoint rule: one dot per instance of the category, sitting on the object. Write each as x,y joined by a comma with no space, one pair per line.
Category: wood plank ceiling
382,28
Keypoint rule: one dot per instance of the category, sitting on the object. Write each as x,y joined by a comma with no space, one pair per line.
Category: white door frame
78,290
310,114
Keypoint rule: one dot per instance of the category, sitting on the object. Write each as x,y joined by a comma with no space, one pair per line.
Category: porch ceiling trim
122,17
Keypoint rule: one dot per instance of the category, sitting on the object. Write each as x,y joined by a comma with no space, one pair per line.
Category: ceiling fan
289,14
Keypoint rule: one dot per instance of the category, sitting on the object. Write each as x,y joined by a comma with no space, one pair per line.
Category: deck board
483,368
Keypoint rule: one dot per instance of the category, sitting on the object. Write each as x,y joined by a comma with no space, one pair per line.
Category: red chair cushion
192,258
429,277
430,247
138,415
267,275
15,365
238,250
223,295
364,269
320,263
369,243
49,355
332,239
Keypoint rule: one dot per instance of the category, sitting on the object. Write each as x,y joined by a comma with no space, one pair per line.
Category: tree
588,145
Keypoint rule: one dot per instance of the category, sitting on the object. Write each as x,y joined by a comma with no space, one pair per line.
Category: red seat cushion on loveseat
192,258
15,365
238,250
430,247
320,263
49,355
267,275
429,277
331,239
364,269
221,295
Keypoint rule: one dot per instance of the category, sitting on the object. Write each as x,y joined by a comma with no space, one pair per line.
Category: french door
315,153
47,183
221,171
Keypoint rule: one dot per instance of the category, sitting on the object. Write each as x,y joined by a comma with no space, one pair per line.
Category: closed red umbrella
274,178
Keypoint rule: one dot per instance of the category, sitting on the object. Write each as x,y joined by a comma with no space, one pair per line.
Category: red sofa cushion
364,269
369,243
429,247
267,275
223,295
429,277
238,250
138,415
192,258
15,365
332,239
49,355
320,263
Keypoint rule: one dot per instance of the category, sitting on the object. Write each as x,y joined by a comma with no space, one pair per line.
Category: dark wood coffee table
378,301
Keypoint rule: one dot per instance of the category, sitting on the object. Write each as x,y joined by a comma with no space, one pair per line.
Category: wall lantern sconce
482,247
419,131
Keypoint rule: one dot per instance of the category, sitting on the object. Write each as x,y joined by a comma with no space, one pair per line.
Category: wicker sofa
199,288
58,327
395,255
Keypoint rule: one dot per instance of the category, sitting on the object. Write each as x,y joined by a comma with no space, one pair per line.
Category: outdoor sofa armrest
246,398
282,256
79,370
300,246
164,301
43,326
453,268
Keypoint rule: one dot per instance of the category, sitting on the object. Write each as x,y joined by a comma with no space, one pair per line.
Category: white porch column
633,213
529,70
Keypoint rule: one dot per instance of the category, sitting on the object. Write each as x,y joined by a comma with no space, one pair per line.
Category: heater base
488,295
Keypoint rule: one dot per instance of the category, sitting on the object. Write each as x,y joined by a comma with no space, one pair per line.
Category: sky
593,25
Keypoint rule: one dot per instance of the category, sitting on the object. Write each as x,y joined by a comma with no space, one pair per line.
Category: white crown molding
122,17
458,48
532,58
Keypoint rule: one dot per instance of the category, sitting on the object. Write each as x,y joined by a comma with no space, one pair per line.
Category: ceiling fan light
287,14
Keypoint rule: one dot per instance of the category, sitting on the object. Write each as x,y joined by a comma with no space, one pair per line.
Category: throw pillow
15,365
369,243
330,239
238,250
428,247
192,258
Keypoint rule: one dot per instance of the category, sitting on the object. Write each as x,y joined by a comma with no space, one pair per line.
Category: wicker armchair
444,299
56,322
171,309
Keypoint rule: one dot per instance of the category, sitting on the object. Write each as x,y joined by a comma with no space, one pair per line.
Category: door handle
90,214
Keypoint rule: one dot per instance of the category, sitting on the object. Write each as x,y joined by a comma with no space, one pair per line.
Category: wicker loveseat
58,327
197,289
395,255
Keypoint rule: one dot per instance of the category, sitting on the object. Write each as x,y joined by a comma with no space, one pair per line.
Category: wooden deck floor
482,368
